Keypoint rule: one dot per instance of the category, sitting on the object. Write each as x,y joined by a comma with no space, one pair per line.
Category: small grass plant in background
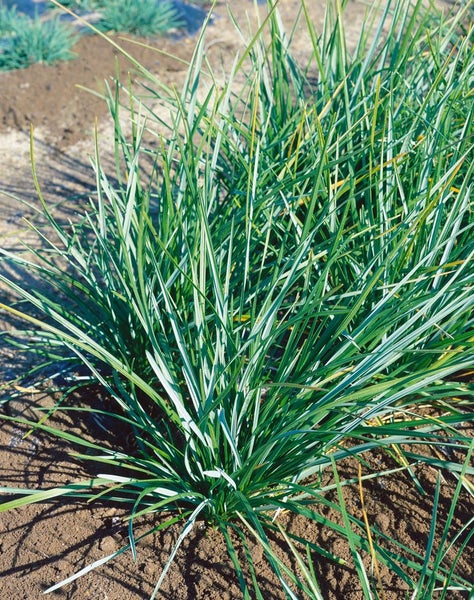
142,17
25,41
277,278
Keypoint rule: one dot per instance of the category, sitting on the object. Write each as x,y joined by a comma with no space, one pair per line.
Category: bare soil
43,544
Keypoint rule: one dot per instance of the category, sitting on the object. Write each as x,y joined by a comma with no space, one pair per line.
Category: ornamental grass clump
25,41
278,277
140,17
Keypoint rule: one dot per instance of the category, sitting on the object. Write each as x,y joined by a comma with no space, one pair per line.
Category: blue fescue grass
25,41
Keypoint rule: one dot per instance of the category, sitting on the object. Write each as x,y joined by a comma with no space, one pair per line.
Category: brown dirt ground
40,545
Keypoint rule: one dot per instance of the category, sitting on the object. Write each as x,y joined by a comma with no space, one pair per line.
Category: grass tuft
25,41
141,17
280,281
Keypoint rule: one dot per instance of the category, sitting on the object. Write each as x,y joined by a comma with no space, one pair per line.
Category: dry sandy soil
40,545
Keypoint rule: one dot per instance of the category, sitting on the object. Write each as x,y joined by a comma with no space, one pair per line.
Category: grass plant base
56,540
